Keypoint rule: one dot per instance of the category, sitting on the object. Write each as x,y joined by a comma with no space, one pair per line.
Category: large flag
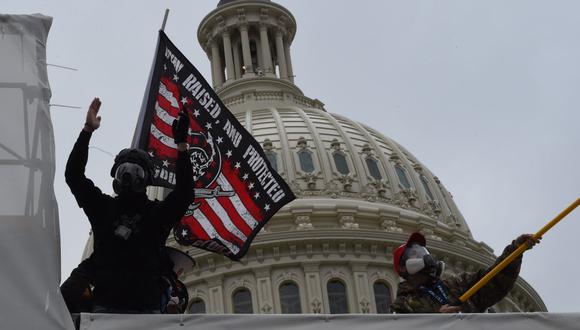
237,191
29,225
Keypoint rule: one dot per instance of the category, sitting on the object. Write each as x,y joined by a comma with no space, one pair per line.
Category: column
228,56
264,287
313,289
281,56
266,55
246,49
216,65
362,290
237,64
289,63
216,296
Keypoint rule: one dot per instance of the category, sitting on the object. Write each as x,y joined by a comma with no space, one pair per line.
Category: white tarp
508,321
29,232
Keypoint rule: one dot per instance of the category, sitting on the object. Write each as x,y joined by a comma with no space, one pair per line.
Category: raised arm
177,201
82,188
503,282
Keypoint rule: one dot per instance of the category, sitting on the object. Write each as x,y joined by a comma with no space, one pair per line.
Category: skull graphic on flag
205,158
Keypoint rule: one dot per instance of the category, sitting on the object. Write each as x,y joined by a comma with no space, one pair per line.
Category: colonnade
245,51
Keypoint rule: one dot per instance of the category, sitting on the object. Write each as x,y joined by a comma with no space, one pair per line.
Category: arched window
426,186
402,177
242,301
197,307
337,297
273,160
306,163
290,298
340,162
382,297
373,167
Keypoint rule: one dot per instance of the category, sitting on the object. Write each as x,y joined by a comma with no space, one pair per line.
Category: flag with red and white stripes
237,191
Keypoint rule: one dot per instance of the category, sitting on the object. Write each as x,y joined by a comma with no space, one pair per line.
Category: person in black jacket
129,229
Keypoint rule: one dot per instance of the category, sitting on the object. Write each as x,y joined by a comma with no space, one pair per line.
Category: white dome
328,156
348,216
359,193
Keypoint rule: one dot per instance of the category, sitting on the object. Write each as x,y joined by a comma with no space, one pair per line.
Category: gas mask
129,178
418,259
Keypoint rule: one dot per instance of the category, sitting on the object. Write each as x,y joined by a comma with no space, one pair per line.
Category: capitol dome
359,193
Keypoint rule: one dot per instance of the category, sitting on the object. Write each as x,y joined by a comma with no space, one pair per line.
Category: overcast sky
485,94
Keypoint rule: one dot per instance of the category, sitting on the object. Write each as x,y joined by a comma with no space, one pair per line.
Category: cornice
275,16
249,84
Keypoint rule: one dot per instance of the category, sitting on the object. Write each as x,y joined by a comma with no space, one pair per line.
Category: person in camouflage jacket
425,291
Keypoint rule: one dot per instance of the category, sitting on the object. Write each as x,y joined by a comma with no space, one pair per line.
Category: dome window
340,162
402,177
337,297
382,297
197,307
373,167
426,186
290,298
270,154
242,301
272,159
306,163
305,156
339,157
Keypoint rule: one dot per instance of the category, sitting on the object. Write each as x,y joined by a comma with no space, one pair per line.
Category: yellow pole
483,281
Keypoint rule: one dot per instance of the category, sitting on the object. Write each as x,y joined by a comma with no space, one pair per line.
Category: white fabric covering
29,232
512,321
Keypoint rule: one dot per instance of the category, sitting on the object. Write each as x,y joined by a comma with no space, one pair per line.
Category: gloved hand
528,239
180,127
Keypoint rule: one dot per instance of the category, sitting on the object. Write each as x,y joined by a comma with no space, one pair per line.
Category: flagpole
139,137
165,19
483,281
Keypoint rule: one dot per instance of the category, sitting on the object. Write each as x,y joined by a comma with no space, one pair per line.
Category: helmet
415,238
133,171
135,156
